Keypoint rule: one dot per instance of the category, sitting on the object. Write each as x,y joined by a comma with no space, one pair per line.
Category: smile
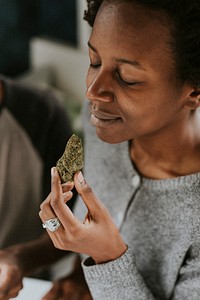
103,120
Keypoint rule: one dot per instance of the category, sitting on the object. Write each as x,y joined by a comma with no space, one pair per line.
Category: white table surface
33,289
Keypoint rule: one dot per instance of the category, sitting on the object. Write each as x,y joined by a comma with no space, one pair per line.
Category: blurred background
44,43
21,20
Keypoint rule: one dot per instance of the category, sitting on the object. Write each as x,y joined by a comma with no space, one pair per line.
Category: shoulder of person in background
42,116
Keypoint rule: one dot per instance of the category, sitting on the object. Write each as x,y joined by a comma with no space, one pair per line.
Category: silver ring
52,224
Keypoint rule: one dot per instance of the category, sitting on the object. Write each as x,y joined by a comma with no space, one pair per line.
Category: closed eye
126,82
95,66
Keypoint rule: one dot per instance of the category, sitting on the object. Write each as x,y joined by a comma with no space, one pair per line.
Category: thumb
92,203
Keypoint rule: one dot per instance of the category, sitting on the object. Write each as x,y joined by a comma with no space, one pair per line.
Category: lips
103,116
100,118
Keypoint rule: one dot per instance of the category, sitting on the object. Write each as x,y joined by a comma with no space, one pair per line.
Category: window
22,19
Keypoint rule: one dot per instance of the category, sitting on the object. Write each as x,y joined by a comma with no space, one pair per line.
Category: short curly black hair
185,16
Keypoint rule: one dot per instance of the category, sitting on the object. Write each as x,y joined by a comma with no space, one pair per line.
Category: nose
100,86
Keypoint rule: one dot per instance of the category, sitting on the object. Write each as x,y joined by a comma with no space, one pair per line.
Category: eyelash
124,81
96,66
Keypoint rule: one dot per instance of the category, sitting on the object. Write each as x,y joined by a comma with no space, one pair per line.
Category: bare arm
23,259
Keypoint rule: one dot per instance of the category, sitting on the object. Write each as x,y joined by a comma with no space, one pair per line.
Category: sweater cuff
95,272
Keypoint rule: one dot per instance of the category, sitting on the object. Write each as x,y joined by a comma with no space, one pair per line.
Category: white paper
34,289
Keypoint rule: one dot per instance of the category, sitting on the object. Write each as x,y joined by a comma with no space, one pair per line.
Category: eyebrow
130,62
121,60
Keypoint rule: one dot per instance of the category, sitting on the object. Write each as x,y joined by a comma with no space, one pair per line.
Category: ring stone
52,224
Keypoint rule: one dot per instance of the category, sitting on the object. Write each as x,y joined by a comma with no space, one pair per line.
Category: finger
46,212
47,198
61,210
68,186
67,196
46,207
92,203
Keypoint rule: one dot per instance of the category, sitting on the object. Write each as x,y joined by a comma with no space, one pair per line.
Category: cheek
134,107
143,114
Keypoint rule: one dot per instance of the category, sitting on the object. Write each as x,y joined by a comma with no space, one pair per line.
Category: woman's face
131,82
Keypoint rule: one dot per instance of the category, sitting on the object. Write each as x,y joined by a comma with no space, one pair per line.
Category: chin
109,138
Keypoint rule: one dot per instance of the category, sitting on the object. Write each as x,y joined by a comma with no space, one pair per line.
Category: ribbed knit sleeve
118,279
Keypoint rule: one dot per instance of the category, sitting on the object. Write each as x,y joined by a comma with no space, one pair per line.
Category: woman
141,230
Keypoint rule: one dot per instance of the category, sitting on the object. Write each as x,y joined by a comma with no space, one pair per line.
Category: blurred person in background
34,129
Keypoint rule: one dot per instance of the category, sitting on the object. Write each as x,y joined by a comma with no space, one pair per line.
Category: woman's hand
70,287
96,236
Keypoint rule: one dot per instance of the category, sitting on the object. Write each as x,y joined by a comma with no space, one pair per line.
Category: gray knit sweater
158,219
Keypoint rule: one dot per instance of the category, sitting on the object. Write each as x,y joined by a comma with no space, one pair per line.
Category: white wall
70,64
83,27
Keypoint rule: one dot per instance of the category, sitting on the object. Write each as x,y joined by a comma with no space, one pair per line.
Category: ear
193,100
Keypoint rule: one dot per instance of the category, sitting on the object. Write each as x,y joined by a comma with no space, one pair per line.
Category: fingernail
80,177
53,170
